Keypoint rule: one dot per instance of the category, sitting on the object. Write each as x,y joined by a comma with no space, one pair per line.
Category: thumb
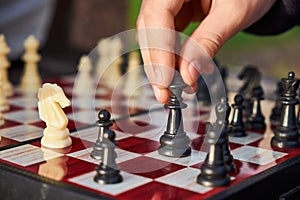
224,20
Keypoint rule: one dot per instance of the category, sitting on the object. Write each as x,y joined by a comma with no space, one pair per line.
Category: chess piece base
238,132
56,139
174,145
284,144
213,176
285,138
107,175
229,164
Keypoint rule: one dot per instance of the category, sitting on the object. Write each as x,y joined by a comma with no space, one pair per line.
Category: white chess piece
31,80
84,83
133,75
53,168
3,101
103,56
112,73
4,65
51,101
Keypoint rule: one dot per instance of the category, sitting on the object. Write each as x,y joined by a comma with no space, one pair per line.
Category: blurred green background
274,55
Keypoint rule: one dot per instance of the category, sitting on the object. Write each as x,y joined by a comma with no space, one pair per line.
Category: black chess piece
224,74
256,120
276,110
223,111
237,124
251,77
174,142
103,125
213,170
286,133
202,93
107,171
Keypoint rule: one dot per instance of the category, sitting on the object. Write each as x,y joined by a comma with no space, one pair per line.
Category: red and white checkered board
22,122
146,174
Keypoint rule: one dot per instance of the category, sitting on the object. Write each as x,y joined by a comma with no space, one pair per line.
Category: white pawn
84,81
51,101
4,65
3,101
112,73
31,80
103,56
133,75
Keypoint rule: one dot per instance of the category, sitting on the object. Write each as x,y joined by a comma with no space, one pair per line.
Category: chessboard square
143,148
186,179
23,116
88,134
130,181
22,132
131,141
149,167
197,143
86,116
27,101
13,108
196,157
158,118
195,126
9,123
27,155
156,190
74,125
85,155
251,137
6,141
153,134
256,155
133,127
91,134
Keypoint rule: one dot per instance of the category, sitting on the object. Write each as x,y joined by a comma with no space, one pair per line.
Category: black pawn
107,171
286,133
256,120
276,111
103,123
237,124
213,170
174,142
223,111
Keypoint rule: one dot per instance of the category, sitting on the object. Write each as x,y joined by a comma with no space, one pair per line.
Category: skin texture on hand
220,20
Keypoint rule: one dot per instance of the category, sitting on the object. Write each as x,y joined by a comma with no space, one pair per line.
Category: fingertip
191,89
162,95
189,73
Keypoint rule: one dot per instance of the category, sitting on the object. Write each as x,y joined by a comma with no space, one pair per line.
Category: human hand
220,20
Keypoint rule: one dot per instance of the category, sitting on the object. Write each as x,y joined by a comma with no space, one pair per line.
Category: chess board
139,122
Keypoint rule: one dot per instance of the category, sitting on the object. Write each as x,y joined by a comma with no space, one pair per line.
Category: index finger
156,37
